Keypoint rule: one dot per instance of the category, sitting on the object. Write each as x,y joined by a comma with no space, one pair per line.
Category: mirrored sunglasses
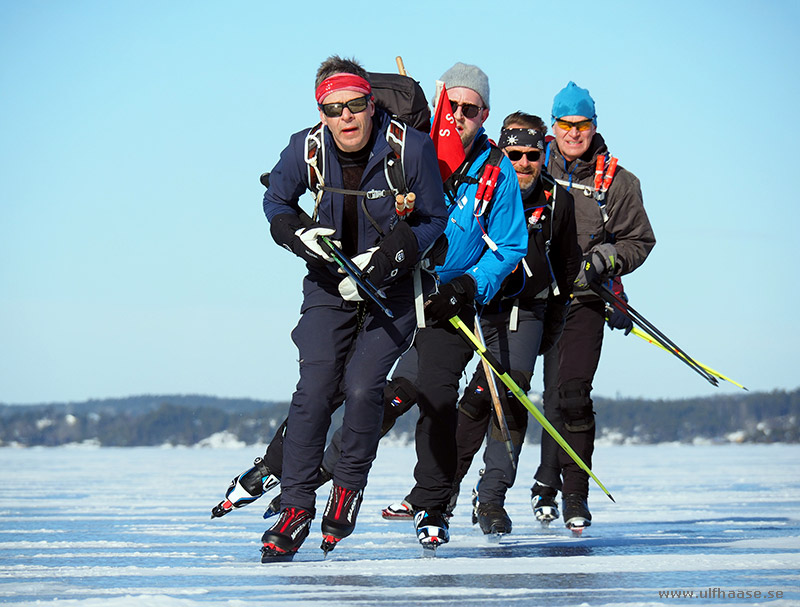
334,110
581,125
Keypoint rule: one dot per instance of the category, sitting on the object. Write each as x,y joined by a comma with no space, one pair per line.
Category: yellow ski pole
650,339
503,375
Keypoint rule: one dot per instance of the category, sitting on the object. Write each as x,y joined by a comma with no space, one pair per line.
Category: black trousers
441,357
569,370
517,351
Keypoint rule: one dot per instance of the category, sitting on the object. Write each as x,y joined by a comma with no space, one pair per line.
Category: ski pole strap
503,375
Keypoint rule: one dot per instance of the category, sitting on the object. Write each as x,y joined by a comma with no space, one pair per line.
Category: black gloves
555,316
394,255
597,265
450,298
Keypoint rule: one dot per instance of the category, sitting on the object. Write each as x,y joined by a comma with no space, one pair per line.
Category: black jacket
553,251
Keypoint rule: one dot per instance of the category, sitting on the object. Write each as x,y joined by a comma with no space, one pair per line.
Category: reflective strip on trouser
323,337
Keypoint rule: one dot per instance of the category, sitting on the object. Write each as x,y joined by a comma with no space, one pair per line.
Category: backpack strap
548,180
393,167
315,140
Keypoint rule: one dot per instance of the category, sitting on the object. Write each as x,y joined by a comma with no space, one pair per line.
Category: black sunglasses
468,109
334,110
516,155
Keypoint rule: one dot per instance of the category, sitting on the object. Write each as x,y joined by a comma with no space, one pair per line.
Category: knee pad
477,400
399,396
576,406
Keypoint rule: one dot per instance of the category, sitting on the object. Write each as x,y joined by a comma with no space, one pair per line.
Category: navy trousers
329,329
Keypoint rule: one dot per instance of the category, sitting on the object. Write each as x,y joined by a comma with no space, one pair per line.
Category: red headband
342,82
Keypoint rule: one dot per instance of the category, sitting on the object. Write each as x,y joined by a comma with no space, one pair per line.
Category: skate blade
391,515
429,549
430,544
270,553
577,525
328,543
221,509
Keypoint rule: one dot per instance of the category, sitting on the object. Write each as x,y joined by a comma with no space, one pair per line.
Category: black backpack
403,98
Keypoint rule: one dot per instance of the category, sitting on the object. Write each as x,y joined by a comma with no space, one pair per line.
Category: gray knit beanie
468,76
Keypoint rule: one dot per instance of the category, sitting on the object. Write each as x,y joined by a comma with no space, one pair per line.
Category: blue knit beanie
572,100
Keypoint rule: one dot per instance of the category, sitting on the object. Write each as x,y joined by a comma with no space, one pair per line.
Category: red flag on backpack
449,149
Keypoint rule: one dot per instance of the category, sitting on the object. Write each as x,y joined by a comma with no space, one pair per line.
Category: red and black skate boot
282,540
340,515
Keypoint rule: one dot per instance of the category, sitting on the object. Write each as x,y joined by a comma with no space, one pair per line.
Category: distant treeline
188,419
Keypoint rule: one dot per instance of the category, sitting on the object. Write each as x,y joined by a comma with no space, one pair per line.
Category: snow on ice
89,526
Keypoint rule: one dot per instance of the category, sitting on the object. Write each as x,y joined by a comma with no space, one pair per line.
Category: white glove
348,288
309,239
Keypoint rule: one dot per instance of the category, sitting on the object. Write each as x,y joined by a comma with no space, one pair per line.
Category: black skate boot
282,540
493,519
576,512
340,515
432,528
246,488
543,502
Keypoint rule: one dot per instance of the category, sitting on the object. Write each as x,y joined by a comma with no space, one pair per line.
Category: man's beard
527,182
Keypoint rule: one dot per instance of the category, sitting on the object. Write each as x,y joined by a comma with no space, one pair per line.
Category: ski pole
523,398
342,260
498,407
624,307
650,339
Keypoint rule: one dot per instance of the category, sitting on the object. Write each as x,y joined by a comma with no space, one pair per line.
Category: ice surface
120,527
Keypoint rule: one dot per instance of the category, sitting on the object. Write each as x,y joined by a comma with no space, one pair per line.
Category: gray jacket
625,224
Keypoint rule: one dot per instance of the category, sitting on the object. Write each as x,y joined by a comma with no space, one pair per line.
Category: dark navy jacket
289,180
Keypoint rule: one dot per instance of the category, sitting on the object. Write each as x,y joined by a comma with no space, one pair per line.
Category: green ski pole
503,375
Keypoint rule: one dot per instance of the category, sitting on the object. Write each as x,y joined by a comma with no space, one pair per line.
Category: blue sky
135,255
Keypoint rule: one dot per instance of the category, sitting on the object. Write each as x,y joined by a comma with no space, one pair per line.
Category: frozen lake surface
118,527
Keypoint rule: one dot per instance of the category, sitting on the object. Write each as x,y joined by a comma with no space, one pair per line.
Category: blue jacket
467,252
289,180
